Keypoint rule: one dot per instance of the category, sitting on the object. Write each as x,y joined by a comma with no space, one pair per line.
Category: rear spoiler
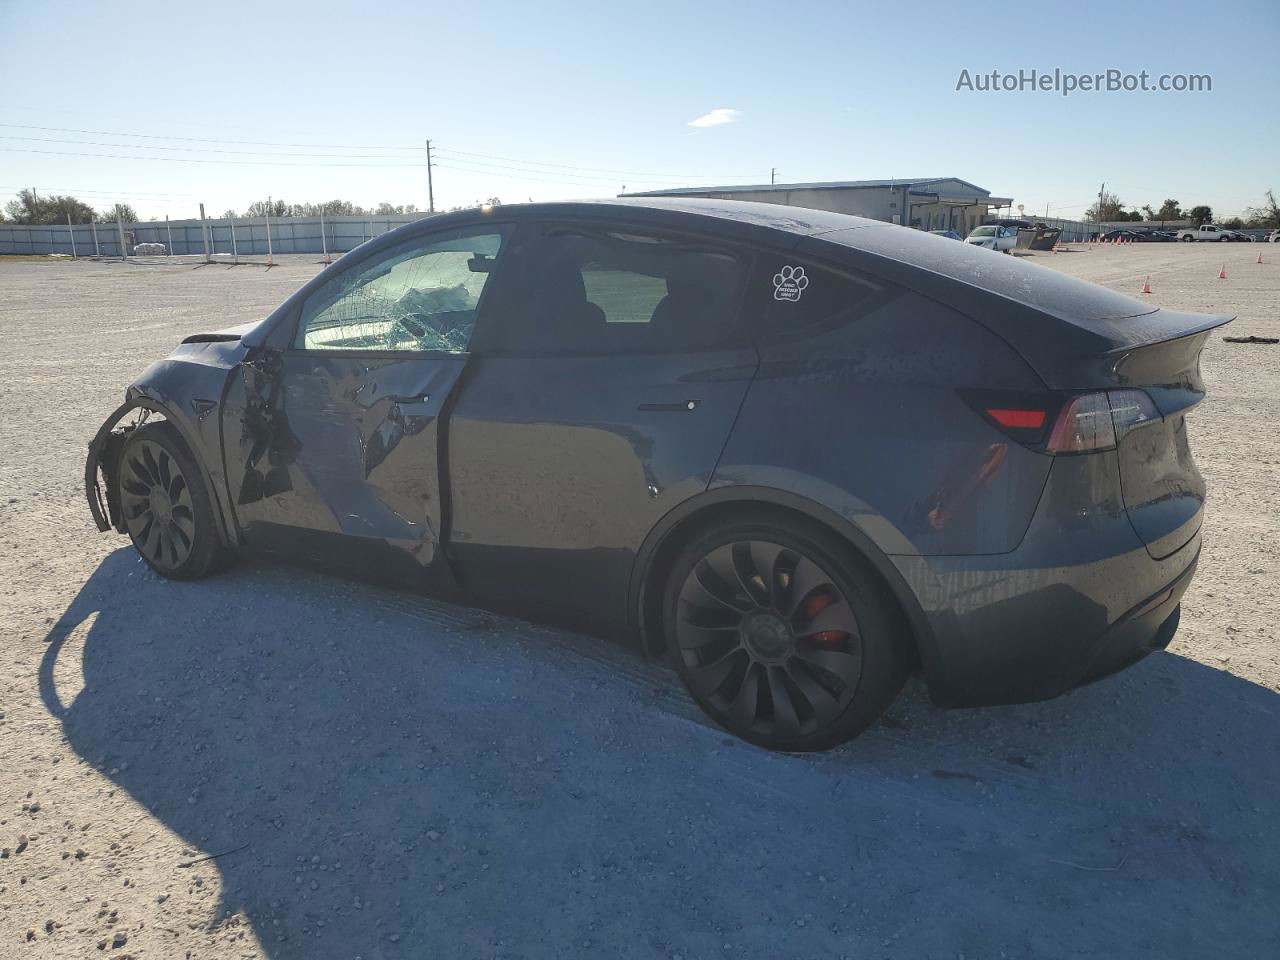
1167,368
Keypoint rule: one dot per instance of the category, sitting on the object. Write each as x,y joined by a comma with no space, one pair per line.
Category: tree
30,207
121,211
268,208
1267,215
1169,210
1199,215
1232,223
1108,207
491,202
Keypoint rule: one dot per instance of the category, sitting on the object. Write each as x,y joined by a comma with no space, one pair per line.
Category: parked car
1273,237
794,452
1162,236
1125,236
1206,231
949,234
993,237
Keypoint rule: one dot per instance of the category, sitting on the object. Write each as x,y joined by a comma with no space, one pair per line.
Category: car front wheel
781,636
166,506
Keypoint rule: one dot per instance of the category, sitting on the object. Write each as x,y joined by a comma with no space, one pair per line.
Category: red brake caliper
826,639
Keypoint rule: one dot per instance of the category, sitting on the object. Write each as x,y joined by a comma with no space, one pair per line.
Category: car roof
732,219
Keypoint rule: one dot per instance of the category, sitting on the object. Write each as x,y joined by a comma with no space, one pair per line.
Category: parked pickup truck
1206,231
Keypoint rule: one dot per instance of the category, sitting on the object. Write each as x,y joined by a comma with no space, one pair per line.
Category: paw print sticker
789,283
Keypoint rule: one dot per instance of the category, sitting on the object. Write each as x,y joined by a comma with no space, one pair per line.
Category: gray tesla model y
797,454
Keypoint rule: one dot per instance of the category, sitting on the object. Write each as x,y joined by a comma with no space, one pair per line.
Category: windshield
984,232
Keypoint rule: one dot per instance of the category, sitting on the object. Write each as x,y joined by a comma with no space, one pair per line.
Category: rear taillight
1068,423
1083,424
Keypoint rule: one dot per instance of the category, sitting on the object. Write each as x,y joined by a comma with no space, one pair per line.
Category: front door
339,450
601,400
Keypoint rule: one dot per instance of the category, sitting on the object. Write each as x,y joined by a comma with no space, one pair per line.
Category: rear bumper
1016,636
1080,598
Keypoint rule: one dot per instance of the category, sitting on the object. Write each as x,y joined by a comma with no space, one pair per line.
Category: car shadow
386,776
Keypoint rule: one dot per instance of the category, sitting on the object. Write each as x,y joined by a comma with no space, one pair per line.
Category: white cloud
716,117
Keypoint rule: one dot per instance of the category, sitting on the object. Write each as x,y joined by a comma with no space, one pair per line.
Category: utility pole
431,194
773,175
204,234
1101,190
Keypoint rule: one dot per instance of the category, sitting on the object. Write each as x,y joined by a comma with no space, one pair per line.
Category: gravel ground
272,763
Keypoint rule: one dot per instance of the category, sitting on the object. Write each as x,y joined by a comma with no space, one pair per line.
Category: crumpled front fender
104,458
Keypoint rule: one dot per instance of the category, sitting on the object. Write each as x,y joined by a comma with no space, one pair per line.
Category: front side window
420,296
610,292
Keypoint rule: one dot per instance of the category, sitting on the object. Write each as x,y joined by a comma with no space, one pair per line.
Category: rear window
1038,287
593,291
794,296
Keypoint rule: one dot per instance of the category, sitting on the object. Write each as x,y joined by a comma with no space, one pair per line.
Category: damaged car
796,454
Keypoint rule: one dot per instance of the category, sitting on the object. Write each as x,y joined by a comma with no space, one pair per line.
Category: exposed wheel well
685,530
104,453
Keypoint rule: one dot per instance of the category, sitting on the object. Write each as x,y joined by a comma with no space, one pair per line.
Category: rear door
342,430
615,372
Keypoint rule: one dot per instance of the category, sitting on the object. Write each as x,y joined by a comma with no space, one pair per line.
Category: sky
168,106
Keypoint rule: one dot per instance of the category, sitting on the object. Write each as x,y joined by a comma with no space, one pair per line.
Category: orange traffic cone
1259,260
1146,284
1222,274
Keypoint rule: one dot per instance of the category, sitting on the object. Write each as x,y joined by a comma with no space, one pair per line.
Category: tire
803,657
1187,239
166,506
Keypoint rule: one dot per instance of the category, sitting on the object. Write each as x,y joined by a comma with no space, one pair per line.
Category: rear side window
573,290
791,296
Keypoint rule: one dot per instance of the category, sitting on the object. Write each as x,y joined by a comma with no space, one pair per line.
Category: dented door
340,436
358,451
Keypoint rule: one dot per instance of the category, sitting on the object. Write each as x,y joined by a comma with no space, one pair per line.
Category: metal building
930,203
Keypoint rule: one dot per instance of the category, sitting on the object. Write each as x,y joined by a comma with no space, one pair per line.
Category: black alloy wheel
157,505
774,645
165,505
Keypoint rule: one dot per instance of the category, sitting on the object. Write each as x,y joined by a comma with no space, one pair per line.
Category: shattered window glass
419,296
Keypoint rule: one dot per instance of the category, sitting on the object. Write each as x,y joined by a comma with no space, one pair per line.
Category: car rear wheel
781,636
166,506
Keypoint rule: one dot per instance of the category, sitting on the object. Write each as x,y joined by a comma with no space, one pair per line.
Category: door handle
682,407
418,406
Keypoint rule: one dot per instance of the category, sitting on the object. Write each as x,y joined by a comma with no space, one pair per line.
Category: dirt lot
381,776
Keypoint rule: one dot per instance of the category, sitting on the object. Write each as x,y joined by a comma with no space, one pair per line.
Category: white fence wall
288,235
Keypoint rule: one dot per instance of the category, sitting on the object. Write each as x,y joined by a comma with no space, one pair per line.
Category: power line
252,163
565,166
512,176
491,167
85,190
158,136
140,146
